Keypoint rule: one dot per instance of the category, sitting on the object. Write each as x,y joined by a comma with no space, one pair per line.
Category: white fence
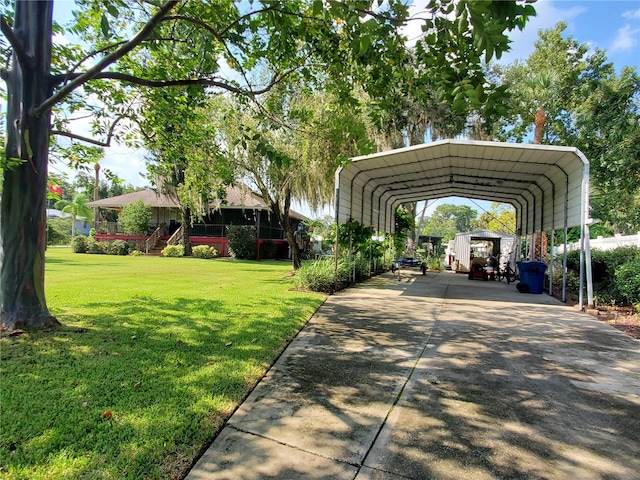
602,243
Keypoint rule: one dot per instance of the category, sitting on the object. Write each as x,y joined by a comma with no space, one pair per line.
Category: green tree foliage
114,188
290,147
587,105
331,44
447,220
187,163
77,207
608,132
500,218
62,182
135,218
354,237
405,222
58,231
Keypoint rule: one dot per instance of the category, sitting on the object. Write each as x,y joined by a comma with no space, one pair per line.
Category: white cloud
631,14
626,39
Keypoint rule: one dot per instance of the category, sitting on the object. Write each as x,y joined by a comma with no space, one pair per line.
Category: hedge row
82,244
616,275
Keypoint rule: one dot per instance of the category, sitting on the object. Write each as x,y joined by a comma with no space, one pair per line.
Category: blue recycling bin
532,275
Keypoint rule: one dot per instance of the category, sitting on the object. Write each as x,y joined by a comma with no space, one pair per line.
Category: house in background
82,224
242,206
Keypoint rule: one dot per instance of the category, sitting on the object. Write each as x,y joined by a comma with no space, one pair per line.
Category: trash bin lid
532,265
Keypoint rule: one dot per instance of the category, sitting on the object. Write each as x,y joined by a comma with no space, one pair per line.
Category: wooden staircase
156,251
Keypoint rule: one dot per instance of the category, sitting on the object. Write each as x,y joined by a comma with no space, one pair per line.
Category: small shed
501,249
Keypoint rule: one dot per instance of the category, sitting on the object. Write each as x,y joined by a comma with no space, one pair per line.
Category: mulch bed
621,318
631,330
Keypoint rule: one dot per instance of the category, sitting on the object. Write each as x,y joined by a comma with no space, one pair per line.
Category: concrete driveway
439,377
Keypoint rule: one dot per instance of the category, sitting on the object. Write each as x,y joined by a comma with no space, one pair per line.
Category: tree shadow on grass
168,373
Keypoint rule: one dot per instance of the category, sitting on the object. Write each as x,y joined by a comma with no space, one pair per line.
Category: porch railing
205,230
112,228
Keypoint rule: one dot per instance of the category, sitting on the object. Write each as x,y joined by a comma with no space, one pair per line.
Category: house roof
237,198
547,185
55,213
148,196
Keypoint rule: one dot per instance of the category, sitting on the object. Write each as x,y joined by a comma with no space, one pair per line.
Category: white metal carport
547,185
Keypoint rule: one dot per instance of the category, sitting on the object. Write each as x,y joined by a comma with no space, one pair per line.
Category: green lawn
153,355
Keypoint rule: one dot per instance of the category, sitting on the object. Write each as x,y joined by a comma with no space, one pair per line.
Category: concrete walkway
439,377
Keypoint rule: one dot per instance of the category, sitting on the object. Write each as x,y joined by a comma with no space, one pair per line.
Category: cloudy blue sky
612,25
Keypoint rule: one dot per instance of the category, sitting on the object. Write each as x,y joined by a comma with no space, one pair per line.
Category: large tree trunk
23,204
186,231
285,223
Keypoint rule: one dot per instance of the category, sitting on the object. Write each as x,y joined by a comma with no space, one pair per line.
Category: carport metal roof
547,185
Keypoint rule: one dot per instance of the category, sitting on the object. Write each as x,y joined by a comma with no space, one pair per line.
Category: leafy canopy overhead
245,48
248,47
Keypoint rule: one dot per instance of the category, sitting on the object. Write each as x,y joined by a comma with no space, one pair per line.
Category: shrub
242,241
118,247
319,275
136,253
204,251
607,288
268,249
96,247
627,279
79,244
135,218
361,266
92,232
58,231
173,251
434,263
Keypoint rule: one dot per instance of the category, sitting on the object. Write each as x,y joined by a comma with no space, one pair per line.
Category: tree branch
93,141
15,43
379,16
243,17
107,60
125,77
75,136
213,32
64,78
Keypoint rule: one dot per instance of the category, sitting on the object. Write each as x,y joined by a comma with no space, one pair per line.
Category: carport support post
352,264
585,248
335,258
551,262
566,243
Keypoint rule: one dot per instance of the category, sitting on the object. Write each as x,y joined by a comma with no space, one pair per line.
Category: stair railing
176,237
152,241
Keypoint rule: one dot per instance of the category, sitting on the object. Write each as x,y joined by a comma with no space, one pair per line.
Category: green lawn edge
153,356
